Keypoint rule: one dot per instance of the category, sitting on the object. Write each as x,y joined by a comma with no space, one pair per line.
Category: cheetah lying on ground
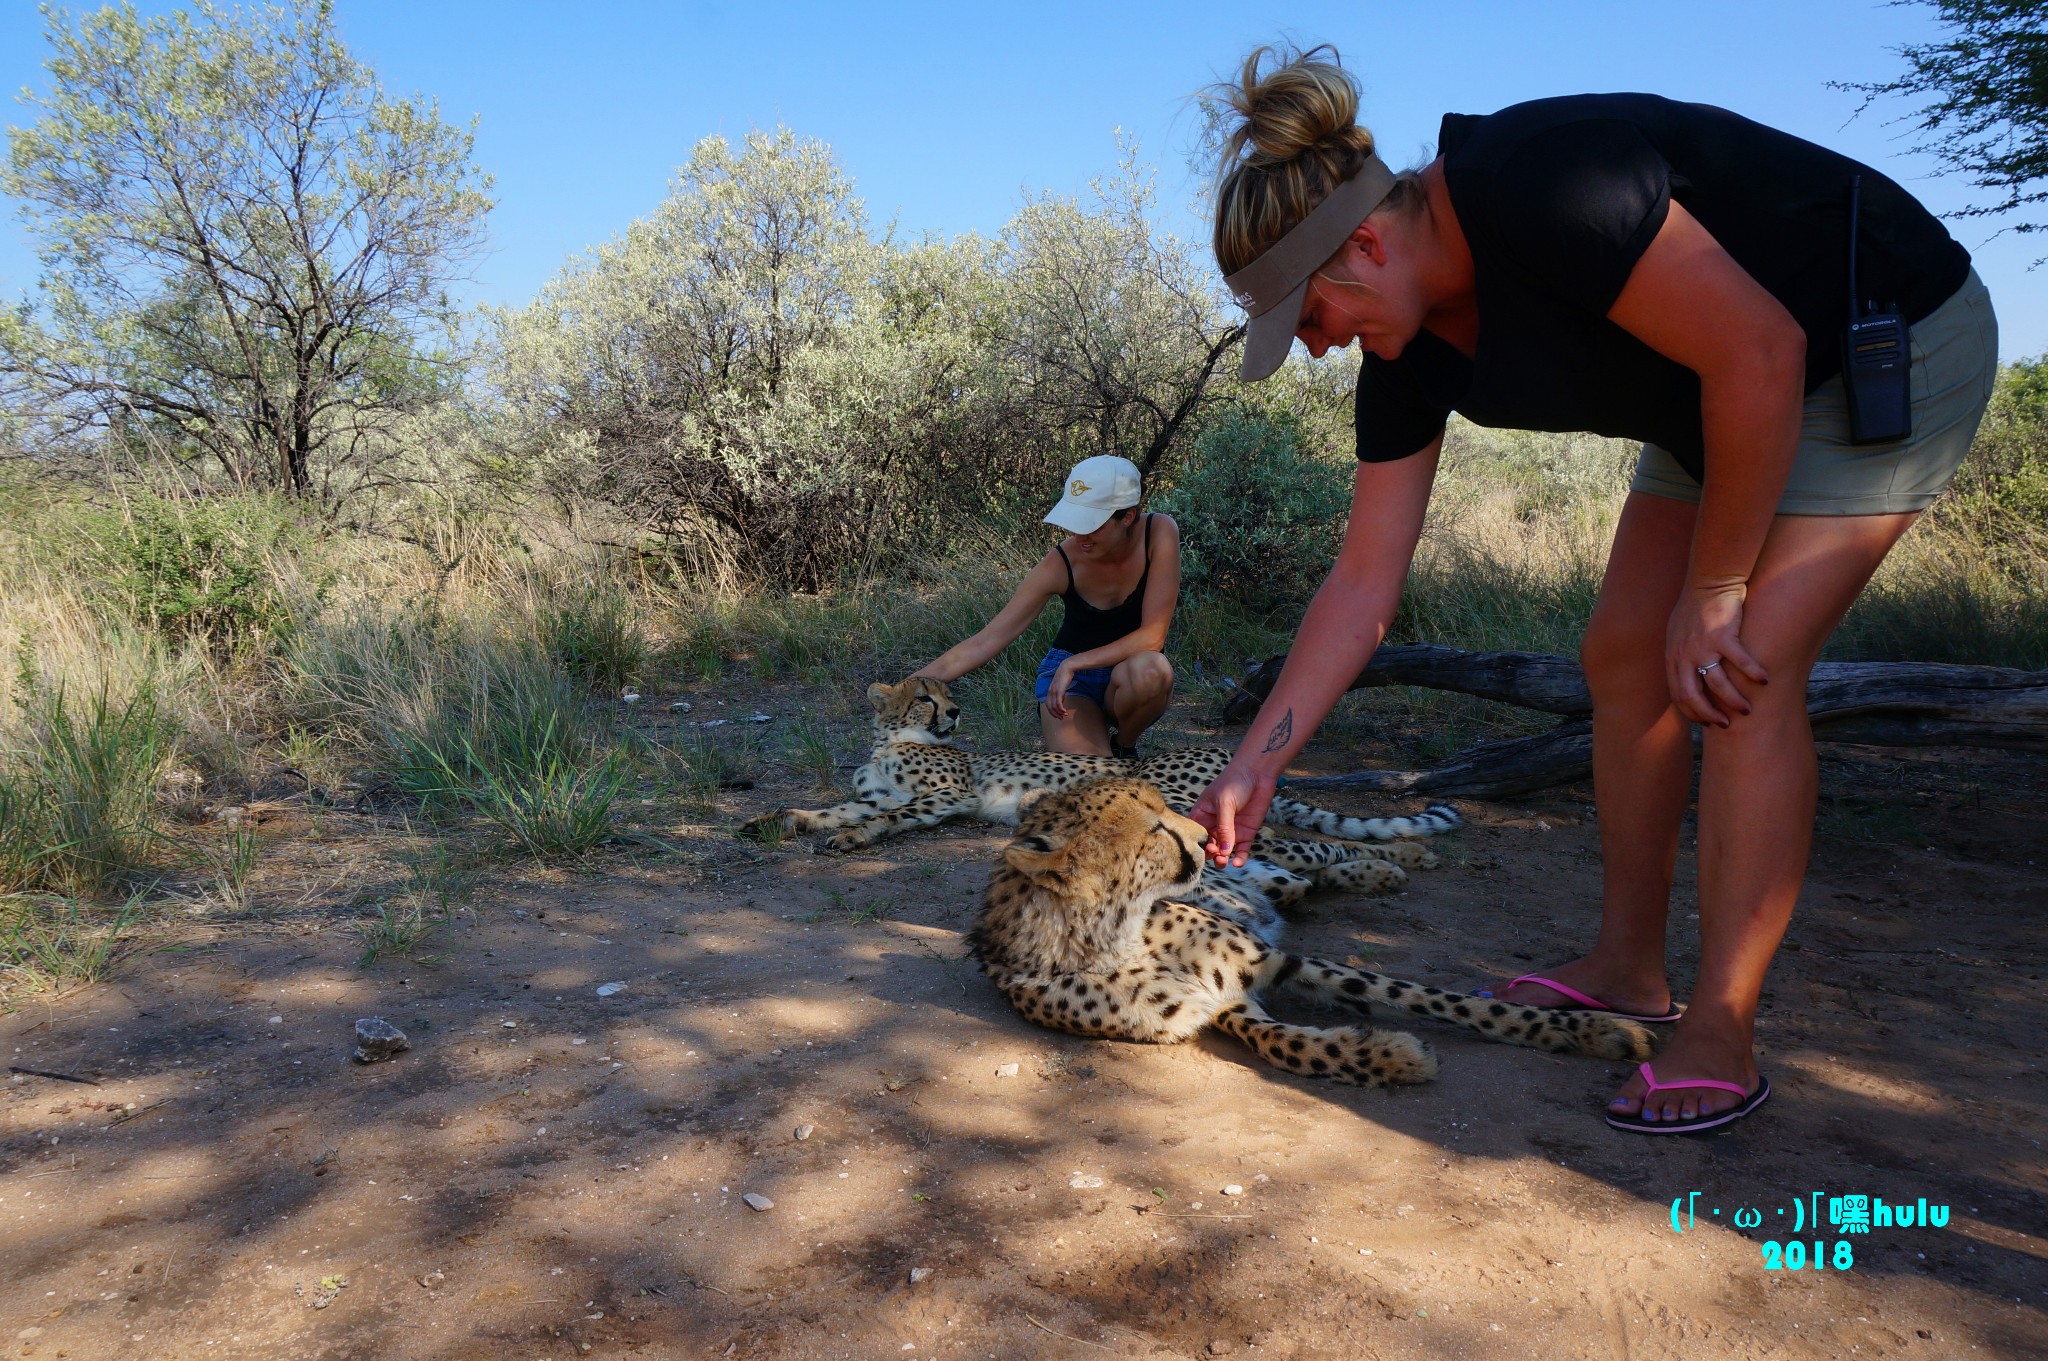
913,779
1088,925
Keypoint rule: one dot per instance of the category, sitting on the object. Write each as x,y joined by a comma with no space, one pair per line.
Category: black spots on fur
1244,978
1432,992
1167,1012
1115,1006
1217,974
1437,1005
1354,986
1156,998
1395,989
1296,1044
1497,1009
1091,1005
1528,1014
1462,1010
1289,967
1320,1065
1044,988
1110,977
1330,1048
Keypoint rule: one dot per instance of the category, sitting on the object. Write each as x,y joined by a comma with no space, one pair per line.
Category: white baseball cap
1098,488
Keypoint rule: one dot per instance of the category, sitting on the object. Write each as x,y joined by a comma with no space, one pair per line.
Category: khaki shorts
1955,361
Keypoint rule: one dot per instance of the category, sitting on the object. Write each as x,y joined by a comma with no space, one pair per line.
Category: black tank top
1086,628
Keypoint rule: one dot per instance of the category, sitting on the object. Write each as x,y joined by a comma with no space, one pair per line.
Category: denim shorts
1955,361
1092,684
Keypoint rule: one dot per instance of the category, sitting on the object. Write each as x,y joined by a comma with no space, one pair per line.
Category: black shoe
1122,753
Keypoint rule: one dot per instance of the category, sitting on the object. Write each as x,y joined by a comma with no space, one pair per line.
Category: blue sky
946,115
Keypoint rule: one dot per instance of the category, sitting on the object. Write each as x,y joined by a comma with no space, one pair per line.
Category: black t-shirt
1558,199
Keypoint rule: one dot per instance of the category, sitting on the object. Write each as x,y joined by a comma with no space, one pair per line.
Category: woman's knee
1618,656
1145,673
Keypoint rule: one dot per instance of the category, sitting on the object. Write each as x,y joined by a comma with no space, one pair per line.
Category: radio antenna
1855,194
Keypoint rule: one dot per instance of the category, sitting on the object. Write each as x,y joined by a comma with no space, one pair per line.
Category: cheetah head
1111,840
916,710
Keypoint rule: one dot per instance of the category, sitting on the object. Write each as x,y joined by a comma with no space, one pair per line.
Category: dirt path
551,1174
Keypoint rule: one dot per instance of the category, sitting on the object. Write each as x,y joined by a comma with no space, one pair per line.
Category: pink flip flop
1584,1003
1635,1124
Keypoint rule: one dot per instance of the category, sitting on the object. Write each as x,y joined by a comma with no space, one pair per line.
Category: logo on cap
1076,487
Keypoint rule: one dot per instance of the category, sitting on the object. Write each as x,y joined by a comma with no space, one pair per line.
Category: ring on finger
1703,670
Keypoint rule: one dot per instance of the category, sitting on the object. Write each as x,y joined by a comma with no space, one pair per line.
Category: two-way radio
1876,358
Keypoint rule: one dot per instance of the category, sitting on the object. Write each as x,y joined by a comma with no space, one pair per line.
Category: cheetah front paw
849,840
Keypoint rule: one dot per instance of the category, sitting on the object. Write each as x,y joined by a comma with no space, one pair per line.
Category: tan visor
1272,287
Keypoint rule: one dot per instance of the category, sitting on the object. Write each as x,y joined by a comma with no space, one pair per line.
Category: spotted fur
913,778
1087,926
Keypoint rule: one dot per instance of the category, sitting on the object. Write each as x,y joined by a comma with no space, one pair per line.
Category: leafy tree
1986,84
1115,335
246,242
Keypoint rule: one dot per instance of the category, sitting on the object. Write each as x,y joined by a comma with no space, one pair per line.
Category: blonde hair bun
1301,102
1289,135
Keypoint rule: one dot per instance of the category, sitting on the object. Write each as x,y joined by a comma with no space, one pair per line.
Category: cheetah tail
1560,1032
1432,821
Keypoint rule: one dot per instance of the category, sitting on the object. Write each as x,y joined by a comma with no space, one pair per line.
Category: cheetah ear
1037,854
878,695
1030,799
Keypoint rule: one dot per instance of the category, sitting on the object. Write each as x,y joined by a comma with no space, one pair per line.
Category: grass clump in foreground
49,942
78,787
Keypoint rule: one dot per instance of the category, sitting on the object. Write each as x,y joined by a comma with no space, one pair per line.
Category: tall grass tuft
49,942
77,791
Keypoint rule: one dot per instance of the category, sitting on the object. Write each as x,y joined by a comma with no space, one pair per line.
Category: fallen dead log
1877,703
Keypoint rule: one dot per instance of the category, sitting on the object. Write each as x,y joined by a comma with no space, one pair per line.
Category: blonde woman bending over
1642,268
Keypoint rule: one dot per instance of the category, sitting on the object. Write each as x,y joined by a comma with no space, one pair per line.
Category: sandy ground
552,1174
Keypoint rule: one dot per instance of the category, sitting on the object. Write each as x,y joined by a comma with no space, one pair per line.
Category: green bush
2007,470
194,570
1260,516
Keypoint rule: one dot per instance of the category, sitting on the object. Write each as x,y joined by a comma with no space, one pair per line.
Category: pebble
756,1201
1007,1070
607,989
277,1020
920,1274
805,1131
1233,1190
681,706
511,1025
378,1039
1082,1182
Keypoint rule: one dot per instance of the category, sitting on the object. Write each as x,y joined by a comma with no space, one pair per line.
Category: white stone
608,989
756,1201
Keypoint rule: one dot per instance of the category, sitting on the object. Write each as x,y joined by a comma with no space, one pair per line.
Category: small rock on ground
756,1201
378,1039
805,1131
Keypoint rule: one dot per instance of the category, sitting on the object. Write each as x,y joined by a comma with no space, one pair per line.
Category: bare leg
1759,782
1757,791
1642,760
1084,731
1140,688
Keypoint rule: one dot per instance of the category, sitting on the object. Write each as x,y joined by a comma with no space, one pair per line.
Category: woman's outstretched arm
1039,586
1343,626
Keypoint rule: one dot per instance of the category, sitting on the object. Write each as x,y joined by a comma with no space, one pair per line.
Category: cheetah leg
1374,1058
1560,1032
926,810
871,803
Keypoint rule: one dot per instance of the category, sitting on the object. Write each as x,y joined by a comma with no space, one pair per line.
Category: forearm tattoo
1283,732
